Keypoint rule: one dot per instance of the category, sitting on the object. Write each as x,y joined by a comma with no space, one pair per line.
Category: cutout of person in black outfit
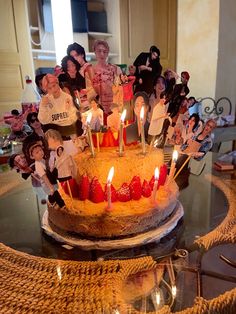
148,67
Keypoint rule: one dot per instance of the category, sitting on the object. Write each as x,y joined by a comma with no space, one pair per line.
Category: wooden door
145,23
15,52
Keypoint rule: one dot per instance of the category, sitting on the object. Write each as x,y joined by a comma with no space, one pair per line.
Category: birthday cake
131,209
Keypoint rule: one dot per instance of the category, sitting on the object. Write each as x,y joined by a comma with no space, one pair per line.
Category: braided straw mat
31,284
226,231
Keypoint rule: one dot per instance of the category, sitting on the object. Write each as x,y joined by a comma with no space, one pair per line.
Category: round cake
132,210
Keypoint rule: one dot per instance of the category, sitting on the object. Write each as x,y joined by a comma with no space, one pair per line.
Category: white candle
89,117
156,175
173,164
142,131
122,119
109,179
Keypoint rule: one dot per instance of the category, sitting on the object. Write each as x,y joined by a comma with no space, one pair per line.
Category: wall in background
206,47
197,44
15,52
226,65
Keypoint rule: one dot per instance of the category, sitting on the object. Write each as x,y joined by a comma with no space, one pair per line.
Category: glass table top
20,218
205,206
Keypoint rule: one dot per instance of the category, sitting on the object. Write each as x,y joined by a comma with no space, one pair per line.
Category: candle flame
89,117
175,156
123,115
174,290
110,175
156,175
142,113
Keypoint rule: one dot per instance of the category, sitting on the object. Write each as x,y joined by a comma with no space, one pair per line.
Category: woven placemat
31,284
226,231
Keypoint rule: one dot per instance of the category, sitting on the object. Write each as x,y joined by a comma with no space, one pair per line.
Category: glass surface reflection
150,290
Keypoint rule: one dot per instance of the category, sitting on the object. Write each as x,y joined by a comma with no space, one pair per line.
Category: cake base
154,235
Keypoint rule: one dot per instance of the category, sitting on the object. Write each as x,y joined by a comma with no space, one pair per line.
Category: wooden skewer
98,145
178,172
69,189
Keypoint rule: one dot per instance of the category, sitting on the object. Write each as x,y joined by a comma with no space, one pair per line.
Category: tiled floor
205,207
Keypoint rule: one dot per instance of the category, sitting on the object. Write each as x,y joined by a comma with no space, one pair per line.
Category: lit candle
122,119
90,139
109,179
172,167
142,131
156,175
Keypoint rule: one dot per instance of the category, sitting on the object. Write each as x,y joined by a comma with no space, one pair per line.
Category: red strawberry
135,188
146,189
163,175
151,182
123,194
74,188
84,188
113,193
96,194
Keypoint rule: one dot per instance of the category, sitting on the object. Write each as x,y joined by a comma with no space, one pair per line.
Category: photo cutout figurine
57,111
64,163
17,122
19,163
113,120
97,116
133,130
47,177
160,118
127,82
117,91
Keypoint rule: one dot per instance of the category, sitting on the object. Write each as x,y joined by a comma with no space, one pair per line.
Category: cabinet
44,54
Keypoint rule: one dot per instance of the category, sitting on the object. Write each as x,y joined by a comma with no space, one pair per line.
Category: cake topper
64,162
48,181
